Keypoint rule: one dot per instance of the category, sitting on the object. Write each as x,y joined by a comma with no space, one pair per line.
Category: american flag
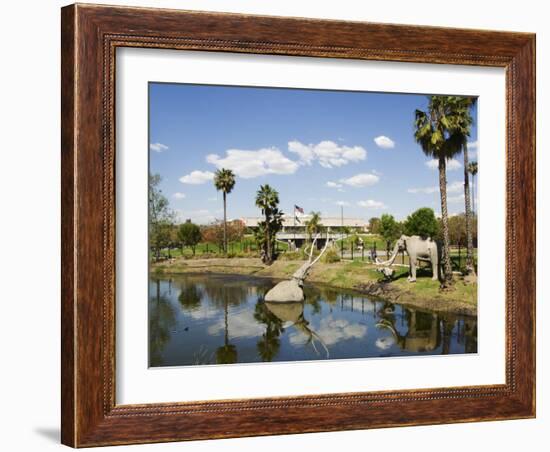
299,209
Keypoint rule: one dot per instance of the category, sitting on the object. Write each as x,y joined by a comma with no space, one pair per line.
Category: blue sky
318,149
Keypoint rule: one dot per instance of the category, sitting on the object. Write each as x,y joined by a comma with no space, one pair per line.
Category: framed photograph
282,225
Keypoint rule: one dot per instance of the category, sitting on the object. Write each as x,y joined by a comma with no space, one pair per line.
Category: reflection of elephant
423,334
418,249
292,313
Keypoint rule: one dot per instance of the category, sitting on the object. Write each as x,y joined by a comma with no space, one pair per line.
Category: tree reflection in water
427,331
269,343
161,321
207,319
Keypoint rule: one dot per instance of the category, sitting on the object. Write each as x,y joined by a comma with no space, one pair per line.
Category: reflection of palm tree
470,335
448,327
227,354
314,298
269,344
161,320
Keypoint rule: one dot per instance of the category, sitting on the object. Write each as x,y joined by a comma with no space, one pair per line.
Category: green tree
457,230
313,225
224,181
436,132
422,222
161,218
374,225
267,199
389,230
189,234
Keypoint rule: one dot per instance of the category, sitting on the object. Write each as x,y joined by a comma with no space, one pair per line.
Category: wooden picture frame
90,36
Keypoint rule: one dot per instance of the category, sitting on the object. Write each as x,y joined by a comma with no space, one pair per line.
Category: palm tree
224,180
313,226
267,199
435,131
472,169
460,129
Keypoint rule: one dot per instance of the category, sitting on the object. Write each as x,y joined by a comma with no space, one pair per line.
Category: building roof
288,221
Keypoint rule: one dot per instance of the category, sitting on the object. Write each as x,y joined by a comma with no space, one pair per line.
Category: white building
294,228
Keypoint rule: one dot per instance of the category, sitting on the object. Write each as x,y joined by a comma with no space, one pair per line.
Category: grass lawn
355,275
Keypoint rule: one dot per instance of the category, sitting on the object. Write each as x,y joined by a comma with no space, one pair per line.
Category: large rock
285,291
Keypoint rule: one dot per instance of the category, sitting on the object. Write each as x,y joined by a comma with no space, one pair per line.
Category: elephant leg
412,269
435,266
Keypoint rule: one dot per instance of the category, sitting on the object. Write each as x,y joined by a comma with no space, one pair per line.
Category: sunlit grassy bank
354,275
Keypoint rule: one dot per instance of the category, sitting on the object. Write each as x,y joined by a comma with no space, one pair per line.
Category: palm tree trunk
224,224
467,198
474,193
448,272
267,241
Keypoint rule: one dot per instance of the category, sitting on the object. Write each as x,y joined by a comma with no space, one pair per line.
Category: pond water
222,319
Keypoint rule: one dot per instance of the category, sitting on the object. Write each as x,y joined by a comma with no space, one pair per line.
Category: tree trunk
468,207
473,194
224,223
267,238
448,273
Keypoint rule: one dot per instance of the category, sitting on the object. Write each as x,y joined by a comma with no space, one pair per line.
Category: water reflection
217,319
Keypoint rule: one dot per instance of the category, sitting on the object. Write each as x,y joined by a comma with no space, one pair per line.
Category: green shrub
330,256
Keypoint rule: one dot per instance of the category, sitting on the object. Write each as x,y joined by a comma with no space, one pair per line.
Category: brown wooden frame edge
90,35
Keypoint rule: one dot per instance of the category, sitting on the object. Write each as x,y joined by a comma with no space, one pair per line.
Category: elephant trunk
392,258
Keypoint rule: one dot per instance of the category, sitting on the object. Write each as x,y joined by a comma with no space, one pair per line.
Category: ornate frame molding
90,37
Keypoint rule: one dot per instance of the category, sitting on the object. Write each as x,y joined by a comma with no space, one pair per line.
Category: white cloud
453,187
384,142
200,216
249,164
241,325
179,195
328,153
158,147
334,184
331,331
342,203
213,199
424,190
473,149
384,343
371,204
452,164
197,177
361,180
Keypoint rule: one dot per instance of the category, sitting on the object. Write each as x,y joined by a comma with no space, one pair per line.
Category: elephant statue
418,249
